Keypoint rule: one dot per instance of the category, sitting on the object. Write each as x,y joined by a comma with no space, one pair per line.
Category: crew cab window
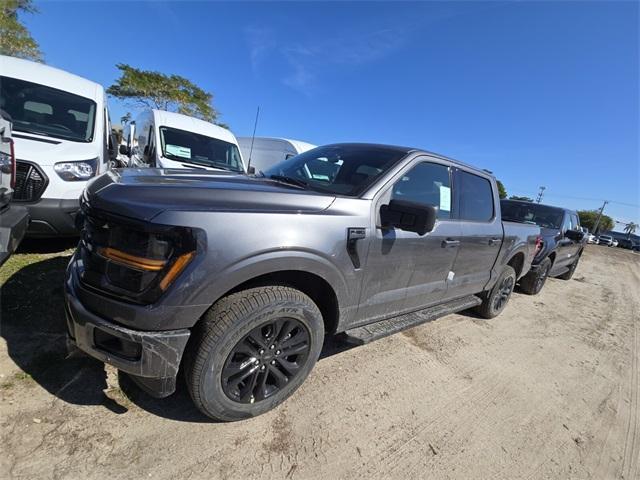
426,183
476,198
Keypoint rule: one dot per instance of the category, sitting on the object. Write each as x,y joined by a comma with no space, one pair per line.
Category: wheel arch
313,275
517,262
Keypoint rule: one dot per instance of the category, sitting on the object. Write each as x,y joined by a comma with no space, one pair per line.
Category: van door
481,234
405,271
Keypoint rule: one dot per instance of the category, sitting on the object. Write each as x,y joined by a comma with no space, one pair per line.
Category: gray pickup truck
237,279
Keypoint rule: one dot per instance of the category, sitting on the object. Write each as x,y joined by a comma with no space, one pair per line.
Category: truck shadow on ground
32,322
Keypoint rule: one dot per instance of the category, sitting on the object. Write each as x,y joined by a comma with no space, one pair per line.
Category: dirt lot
549,389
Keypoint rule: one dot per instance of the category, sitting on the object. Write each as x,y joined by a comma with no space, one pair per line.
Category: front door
567,248
403,270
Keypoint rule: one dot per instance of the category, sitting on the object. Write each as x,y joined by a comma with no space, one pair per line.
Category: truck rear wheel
533,281
252,350
497,298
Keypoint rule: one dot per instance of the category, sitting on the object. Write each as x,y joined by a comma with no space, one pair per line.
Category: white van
171,140
62,139
268,151
14,219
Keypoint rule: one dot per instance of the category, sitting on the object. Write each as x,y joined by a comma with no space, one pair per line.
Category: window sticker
445,198
184,152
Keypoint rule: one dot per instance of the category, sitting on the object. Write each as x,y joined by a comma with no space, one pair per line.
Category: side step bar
383,328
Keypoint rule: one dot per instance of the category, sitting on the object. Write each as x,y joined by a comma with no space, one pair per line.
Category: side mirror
408,216
575,235
124,150
251,170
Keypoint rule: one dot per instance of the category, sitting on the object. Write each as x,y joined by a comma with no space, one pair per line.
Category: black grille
30,182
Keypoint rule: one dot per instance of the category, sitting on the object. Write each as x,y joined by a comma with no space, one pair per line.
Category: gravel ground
549,389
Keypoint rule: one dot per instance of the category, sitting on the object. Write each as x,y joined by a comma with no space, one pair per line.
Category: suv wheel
497,298
252,350
533,281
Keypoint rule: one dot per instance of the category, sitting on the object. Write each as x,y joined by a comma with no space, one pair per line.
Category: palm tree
630,228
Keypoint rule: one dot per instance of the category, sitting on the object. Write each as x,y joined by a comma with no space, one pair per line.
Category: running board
375,331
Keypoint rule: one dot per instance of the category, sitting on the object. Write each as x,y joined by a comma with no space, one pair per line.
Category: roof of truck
51,77
191,124
407,150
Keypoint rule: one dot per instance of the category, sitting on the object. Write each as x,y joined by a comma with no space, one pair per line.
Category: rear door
481,233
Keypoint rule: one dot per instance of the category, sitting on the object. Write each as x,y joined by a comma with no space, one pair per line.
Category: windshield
48,111
196,149
541,215
338,169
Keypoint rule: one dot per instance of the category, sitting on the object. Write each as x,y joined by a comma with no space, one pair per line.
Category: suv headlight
77,171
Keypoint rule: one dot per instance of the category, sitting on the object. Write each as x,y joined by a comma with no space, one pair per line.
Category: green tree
502,192
588,218
630,228
15,39
524,199
165,92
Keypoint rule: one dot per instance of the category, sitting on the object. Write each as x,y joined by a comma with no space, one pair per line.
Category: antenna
253,137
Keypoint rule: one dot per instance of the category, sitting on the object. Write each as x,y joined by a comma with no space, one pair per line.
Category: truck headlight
77,171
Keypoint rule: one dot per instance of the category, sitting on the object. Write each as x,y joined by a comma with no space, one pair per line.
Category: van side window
426,183
476,198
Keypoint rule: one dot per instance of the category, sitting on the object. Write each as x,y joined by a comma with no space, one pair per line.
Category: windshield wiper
289,180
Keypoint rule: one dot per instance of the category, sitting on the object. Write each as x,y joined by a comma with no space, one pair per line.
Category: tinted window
533,213
575,222
42,110
426,183
338,169
476,198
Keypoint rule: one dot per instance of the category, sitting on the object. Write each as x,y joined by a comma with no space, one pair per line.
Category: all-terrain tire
533,281
248,323
572,269
497,298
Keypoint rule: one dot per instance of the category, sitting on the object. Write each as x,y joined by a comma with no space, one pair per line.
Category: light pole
595,229
540,194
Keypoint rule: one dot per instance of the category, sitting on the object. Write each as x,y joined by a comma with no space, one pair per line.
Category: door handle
495,241
449,243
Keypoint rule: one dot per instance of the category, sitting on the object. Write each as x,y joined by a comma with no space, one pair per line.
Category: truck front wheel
494,301
252,350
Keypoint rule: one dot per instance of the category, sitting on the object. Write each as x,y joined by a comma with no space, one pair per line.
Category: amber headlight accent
175,270
132,261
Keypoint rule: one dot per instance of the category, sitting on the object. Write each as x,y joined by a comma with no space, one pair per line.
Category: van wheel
252,350
533,281
497,298
572,269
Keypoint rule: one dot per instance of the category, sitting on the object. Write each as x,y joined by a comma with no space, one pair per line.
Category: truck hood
144,193
47,151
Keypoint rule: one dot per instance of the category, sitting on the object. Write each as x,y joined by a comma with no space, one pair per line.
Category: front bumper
151,358
13,225
53,217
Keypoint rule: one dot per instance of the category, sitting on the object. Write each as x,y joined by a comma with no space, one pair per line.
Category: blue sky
540,93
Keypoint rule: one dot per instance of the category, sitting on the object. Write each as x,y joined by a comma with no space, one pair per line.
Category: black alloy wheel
266,360
504,292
